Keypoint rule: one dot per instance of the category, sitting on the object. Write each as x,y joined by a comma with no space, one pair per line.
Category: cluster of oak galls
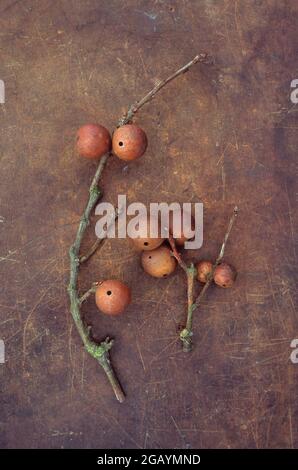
129,142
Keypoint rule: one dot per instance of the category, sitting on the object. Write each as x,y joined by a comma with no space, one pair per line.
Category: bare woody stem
186,334
176,254
190,272
97,244
134,108
89,292
99,241
100,352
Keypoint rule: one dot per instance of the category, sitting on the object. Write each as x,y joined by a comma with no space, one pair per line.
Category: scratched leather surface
218,135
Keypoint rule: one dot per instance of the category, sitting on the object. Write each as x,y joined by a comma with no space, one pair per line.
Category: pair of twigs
190,271
100,352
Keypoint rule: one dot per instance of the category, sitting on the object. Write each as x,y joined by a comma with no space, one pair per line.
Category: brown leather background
223,135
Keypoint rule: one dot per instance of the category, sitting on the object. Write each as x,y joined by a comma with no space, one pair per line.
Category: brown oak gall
204,270
159,262
112,297
224,275
93,141
146,242
129,142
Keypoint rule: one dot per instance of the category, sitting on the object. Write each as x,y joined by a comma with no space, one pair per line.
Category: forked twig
187,333
101,351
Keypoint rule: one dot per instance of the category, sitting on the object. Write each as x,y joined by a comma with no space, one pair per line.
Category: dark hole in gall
146,243
165,275
121,144
223,285
149,257
109,292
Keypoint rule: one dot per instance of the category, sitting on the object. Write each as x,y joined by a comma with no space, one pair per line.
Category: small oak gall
129,142
93,141
146,242
112,297
159,262
204,270
224,275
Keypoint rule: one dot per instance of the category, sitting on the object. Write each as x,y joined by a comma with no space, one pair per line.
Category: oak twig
176,254
186,334
100,351
134,108
190,272
99,241
89,292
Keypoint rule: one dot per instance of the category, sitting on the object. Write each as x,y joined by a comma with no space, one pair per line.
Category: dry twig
101,351
187,333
